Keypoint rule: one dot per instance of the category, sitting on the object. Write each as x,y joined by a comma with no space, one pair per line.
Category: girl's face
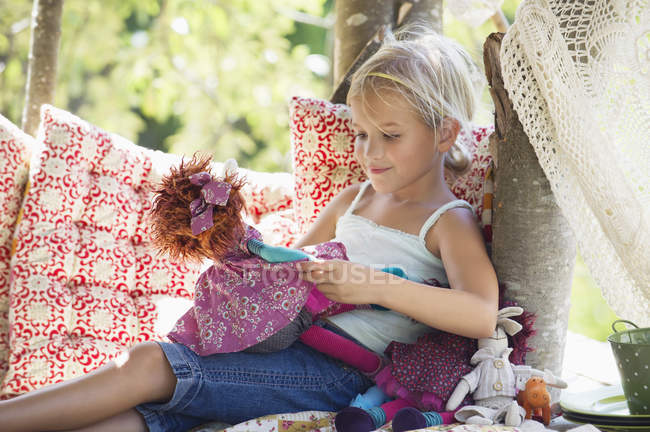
394,146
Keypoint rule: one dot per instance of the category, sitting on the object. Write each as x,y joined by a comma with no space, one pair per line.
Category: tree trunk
43,52
426,12
357,21
533,249
356,31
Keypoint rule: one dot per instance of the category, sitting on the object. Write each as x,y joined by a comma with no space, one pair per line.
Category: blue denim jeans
236,387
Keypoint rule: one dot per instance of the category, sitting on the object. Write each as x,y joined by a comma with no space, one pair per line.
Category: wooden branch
357,22
341,91
43,53
500,21
503,108
403,11
424,11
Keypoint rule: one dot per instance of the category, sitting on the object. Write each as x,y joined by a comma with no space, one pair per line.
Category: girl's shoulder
346,197
455,222
351,191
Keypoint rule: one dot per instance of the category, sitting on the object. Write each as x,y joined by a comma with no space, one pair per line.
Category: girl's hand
346,282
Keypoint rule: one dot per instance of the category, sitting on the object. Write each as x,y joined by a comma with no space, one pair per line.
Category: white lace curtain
578,73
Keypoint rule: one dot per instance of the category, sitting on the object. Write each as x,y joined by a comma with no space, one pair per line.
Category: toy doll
494,381
414,385
252,297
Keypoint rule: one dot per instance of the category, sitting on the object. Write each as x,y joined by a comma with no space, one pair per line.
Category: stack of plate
605,408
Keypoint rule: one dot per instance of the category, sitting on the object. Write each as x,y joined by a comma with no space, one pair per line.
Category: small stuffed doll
494,381
252,298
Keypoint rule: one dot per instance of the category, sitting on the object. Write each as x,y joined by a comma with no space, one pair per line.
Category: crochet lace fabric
578,74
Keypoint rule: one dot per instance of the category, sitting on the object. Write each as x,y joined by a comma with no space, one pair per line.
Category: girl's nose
373,149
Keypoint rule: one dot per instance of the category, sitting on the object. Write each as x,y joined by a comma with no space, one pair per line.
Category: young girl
408,104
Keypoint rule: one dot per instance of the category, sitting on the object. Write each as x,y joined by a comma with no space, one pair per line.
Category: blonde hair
434,74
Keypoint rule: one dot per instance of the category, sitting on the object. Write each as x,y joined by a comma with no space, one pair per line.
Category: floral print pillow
85,283
15,150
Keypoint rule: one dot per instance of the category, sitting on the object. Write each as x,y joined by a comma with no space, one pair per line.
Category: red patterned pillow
324,164
85,282
15,150
267,193
323,155
279,228
471,185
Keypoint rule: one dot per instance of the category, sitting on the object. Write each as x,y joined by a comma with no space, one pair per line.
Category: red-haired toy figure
252,298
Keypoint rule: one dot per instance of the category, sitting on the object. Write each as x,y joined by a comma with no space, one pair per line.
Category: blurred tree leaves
175,75
472,38
590,314
14,46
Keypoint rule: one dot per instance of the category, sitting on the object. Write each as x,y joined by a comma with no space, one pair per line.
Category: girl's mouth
378,170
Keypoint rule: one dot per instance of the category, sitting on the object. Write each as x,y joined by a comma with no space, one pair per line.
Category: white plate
607,401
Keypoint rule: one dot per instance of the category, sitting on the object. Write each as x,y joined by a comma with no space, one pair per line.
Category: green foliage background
175,75
181,76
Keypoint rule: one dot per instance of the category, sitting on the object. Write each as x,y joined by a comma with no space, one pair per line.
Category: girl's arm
469,308
324,227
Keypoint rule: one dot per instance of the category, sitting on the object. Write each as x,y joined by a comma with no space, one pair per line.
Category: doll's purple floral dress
244,300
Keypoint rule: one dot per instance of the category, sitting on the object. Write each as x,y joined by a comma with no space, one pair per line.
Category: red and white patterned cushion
15,150
267,193
323,155
85,282
279,228
324,163
471,185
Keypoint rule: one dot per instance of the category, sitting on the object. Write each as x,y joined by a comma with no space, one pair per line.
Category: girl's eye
390,136
360,136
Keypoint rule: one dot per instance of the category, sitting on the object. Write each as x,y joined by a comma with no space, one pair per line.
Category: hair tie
212,193
388,77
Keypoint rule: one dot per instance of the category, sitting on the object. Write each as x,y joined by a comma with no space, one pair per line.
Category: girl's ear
447,133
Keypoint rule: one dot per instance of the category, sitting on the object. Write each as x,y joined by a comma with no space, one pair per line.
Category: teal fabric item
378,416
275,254
433,418
374,397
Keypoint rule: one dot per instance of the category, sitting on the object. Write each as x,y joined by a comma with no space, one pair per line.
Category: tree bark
427,12
356,23
533,249
358,31
340,93
43,53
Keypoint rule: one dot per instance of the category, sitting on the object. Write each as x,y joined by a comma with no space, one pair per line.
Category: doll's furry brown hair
170,216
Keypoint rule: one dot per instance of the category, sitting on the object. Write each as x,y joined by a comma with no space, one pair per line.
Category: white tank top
379,246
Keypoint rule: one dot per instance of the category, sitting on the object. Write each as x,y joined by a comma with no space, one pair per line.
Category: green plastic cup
632,353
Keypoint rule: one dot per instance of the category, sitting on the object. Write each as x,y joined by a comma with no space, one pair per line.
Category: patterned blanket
320,421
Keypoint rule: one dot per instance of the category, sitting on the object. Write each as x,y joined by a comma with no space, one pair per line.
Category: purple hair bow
212,193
